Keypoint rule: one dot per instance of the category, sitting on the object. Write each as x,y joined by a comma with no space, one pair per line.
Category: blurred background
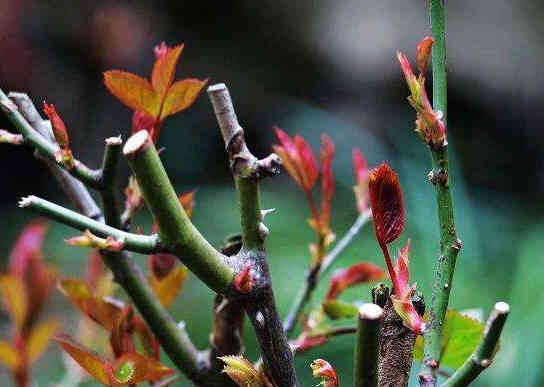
311,67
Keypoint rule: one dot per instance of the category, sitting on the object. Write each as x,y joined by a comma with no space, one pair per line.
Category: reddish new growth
387,206
24,291
153,101
243,282
322,369
300,162
61,135
353,275
362,174
429,123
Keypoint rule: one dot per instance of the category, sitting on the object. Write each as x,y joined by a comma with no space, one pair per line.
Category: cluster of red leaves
93,297
300,162
429,123
24,290
153,101
387,204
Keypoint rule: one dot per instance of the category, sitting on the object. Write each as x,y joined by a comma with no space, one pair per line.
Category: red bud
243,282
387,204
423,53
59,129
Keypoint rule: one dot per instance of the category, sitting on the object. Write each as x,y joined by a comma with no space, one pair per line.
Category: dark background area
310,67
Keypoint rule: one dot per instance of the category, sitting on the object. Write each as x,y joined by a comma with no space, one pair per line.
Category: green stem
143,244
108,176
367,346
44,146
177,232
483,354
449,243
305,291
250,211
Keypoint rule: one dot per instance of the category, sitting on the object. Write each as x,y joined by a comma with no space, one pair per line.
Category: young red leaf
403,273
327,182
305,343
27,248
322,369
161,264
134,91
142,121
387,204
164,68
362,174
356,274
95,268
57,124
150,345
423,53
243,282
181,95
187,200
88,239
88,360
407,312
308,165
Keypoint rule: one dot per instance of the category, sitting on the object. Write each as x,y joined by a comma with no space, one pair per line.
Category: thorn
263,231
266,212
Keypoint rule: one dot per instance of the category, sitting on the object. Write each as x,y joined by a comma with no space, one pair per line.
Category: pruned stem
449,243
367,346
144,244
177,232
108,174
44,146
260,303
483,354
313,274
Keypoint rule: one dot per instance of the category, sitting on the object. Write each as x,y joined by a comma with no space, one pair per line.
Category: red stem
390,268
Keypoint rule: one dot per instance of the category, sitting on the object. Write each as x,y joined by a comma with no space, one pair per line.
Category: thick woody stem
449,243
367,346
396,350
312,277
260,303
177,232
88,176
483,354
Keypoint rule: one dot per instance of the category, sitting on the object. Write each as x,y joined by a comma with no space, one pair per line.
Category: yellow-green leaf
181,95
167,288
8,356
461,335
134,91
40,337
336,309
15,298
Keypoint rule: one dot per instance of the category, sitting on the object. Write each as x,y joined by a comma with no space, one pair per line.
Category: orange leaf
98,309
168,287
181,95
356,274
15,298
8,356
39,339
134,368
88,360
164,70
134,91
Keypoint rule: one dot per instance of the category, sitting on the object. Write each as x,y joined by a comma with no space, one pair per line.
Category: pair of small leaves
130,368
34,345
460,337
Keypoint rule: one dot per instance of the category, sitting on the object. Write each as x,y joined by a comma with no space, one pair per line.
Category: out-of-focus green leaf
336,309
461,335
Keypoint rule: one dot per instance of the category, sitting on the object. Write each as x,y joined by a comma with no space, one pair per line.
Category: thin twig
143,244
483,355
449,243
367,346
32,137
313,275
